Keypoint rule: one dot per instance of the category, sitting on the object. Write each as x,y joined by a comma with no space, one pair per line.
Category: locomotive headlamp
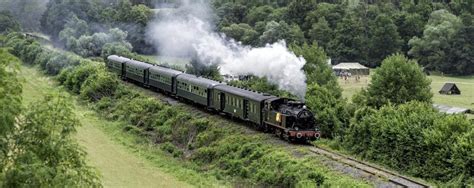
296,128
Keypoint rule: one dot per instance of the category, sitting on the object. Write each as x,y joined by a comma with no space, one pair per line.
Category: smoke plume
189,32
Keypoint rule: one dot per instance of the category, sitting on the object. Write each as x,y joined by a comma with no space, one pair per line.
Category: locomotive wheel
279,133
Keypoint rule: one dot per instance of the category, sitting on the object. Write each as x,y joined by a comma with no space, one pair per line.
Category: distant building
450,89
351,67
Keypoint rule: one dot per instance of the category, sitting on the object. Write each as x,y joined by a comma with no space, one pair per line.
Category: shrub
330,112
73,79
414,138
99,85
397,81
248,158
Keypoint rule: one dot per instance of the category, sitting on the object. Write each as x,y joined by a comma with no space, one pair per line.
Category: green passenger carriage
238,102
116,64
137,71
163,78
194,88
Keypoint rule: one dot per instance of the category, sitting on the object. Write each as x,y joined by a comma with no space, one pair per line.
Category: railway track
395,179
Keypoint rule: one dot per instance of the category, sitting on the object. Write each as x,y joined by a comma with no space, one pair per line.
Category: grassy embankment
114,153
215,149
150,168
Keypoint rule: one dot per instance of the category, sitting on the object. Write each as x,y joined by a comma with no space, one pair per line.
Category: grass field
120,162
465,84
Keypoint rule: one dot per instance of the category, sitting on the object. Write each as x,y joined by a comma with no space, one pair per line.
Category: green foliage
201,69
298,9
57,13
317,69
416,139
73,79
241,32
97,86
275,31
431,49
45,153
26,12
259,13
96,44
321,33
8,23
385,40
409,25
323,95
397,81
10,101
349,42
248,158
330,112
261,85
462,59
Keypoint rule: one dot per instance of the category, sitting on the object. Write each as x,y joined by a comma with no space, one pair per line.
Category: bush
416,139
397,81
248,158
330,112
97,86
73,79
172,149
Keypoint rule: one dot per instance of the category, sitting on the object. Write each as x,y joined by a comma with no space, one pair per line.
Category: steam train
288,119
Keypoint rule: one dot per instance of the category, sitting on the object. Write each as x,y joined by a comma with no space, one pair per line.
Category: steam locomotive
287,118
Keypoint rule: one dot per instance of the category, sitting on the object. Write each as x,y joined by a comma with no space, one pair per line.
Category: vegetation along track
378,174
394,178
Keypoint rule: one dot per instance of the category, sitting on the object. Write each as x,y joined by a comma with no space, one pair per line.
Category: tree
10,101
399,80
260,13
45,153
329,111
349,43
461,51
199,68
409,25
317,69
323,96
321,33
297,11
431,49
8,23
331,12
385,40
231,13
58,12
275,31
26,12
241,32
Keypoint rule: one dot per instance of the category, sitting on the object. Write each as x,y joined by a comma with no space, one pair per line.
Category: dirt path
118,167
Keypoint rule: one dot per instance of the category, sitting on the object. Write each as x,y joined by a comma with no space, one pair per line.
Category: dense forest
390,122
438,34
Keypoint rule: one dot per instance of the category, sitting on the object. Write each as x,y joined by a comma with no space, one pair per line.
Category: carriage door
246,109
123,70
222,96
145,77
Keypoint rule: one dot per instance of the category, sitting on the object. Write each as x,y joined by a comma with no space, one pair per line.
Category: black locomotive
289,119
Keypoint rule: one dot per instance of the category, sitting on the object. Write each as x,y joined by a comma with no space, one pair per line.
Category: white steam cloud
189,32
